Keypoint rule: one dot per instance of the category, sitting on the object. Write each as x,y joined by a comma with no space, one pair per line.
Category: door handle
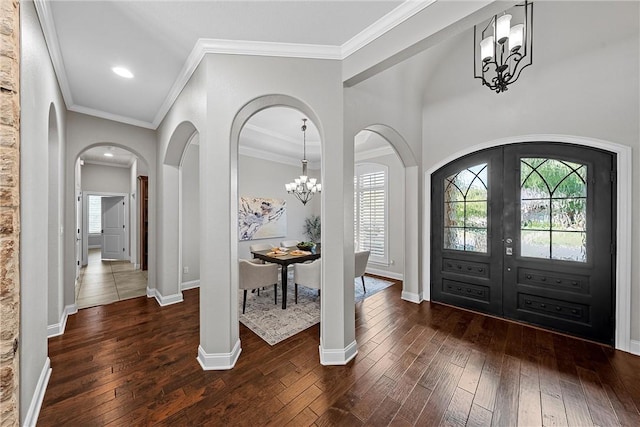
508,249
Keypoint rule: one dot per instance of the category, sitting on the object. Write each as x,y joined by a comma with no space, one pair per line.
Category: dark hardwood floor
134,363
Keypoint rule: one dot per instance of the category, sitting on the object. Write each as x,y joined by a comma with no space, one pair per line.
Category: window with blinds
94,205
370,210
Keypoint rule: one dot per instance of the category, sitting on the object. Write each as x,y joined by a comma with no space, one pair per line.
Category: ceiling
118,156
161,43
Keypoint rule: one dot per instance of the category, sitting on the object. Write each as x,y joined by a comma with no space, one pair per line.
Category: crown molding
389,21
110,116
272,157
219,46
240,47
99,163
271,133
51,39
257,48
373,153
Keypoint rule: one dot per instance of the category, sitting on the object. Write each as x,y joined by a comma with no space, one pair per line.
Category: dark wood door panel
470,278
566,295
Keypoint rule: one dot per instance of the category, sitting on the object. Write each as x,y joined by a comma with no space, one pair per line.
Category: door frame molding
624,211
85,221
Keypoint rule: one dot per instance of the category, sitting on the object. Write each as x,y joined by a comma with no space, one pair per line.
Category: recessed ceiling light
108,154
122,72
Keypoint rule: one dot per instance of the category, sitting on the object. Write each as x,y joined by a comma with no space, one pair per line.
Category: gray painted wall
95,240
191,213
261,178
105,179
258,178
38,91
221,86
568,90
84,132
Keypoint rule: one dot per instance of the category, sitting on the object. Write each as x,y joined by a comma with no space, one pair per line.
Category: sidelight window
465,210
553,201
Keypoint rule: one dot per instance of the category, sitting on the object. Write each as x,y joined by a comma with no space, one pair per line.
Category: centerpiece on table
306,246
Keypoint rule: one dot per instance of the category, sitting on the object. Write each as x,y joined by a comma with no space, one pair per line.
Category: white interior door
113,228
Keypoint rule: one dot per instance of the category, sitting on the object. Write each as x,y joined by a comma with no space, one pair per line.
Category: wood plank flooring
134,363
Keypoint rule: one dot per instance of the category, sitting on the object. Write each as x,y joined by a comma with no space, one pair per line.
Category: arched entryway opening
622,219
269,129
271,149
378,141
111,225
172,212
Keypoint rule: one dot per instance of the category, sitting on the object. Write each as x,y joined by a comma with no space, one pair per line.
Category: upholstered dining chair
289,243
307,274
362,258
253,275
260,247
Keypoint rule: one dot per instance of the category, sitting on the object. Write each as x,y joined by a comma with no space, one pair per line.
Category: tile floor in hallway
103,282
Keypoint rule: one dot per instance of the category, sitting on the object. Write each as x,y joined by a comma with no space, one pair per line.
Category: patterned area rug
273,324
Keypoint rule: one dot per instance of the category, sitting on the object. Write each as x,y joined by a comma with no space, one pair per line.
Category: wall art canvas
261,218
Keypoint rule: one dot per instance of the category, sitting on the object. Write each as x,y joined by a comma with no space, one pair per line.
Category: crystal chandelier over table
304,187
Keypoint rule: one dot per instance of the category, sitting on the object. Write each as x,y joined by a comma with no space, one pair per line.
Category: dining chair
362,258
253,275
260,247
307,275
289,243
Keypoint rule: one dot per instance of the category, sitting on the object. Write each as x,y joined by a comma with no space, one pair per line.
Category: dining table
285,258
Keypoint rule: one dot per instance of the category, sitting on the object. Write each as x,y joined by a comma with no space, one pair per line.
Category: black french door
526,232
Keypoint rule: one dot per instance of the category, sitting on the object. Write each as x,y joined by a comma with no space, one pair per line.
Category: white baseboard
411,297
385,273
190,285
164,300
38,395
136,266
94,247
634,347
338,356
219,361
58,328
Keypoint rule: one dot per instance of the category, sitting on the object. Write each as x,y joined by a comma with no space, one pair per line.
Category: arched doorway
168,288
108,225
622,219
412,289
517,233
271,147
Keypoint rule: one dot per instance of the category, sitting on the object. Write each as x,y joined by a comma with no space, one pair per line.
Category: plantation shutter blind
370,211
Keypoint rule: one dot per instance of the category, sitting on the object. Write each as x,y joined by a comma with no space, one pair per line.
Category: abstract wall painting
261,218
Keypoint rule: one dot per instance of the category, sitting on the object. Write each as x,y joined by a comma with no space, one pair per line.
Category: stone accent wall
9,211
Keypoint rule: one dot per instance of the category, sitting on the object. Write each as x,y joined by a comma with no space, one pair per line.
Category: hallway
104,282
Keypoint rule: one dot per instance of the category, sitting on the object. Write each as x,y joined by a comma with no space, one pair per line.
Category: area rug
273,324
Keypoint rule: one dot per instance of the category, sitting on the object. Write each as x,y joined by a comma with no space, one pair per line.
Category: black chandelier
304,187
505,49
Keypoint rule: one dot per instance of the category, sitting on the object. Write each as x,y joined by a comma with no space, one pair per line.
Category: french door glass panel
553,201
465,210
